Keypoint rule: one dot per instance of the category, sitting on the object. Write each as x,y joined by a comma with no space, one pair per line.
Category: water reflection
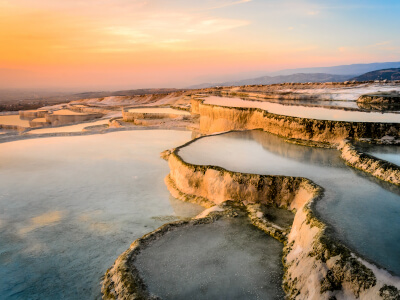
70,205
46,219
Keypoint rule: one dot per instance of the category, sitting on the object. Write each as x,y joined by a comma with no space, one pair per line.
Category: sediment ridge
379,168
131,116
214,118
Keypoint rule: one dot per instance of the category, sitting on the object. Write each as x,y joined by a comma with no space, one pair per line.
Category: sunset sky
115,44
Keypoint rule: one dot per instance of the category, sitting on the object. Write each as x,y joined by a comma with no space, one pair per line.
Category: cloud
179,25
290,28
380,44
229,4
132,35
208,26
313,12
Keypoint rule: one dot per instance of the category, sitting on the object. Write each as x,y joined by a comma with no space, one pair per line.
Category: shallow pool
70,128
69,206
318,113
312,102
228,259
363,211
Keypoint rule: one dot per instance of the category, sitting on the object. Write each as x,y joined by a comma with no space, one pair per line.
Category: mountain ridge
384,74
326,74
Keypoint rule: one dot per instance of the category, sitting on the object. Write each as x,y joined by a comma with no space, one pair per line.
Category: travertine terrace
316,265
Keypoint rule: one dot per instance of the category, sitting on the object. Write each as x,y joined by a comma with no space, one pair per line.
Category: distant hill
355,69
22,99
300,77
299,74
388,74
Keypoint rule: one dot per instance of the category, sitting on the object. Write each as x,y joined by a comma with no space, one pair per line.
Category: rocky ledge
379,168
382,98
316,265
215,118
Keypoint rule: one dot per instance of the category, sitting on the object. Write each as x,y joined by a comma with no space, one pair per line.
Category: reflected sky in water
70,205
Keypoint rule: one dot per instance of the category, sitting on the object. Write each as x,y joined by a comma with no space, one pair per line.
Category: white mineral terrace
159,110
66,112
70,128
306,112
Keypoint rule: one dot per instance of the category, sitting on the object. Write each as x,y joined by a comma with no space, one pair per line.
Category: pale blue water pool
228,259
69,206
364,212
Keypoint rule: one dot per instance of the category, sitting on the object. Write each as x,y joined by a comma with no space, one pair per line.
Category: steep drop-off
214,118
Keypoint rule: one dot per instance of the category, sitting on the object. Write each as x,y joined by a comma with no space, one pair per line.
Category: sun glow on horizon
177,43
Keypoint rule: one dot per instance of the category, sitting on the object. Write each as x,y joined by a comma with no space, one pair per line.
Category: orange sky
106,44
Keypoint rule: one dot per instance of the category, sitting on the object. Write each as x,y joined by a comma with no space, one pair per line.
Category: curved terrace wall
214,118
91,109
379,168
32,114
316,265
57,120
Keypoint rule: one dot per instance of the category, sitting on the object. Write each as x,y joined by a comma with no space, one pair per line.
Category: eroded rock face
381,98
130,115
380,102
215,118
32,114
218,185
379,168
60,119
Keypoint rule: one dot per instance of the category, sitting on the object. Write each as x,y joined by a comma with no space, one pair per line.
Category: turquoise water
364,212
69,206
228,259
319,113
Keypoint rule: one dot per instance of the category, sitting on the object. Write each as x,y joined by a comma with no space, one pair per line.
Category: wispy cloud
313,12
344,49
128,32
228,4
175,25
384,43
213,25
